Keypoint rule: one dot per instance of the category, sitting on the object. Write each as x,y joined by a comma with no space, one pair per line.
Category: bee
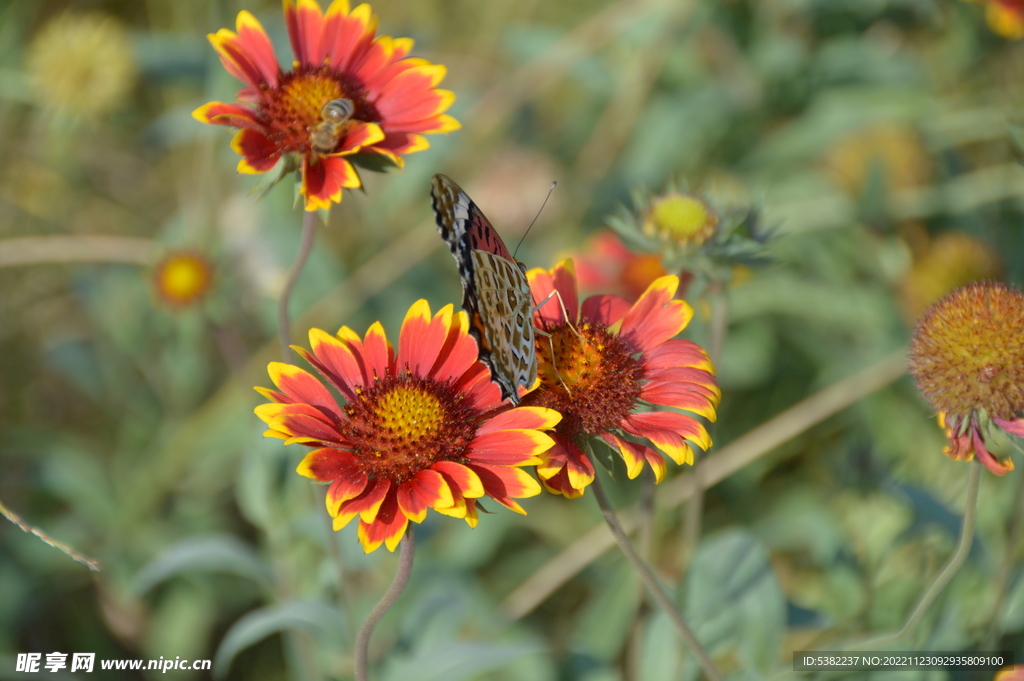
334,119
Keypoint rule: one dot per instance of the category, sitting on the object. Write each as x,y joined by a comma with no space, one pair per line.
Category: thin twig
90,563
652,583
309,224
726,461
405,555
952,566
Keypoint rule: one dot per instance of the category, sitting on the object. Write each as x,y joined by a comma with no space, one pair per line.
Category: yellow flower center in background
952,259
967,353
81,64
589,375
680,218
410,414
183,278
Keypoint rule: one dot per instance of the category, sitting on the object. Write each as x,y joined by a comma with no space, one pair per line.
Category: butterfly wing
495,291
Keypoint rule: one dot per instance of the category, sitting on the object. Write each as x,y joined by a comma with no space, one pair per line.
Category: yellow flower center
589,375
410,413
403,424
183,278
967,353
680,218
294,109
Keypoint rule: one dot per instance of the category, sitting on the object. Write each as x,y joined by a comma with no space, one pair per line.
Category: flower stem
952,566
652,583
405,554
309,223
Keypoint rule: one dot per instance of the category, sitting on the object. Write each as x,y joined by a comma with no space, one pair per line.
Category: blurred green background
875,135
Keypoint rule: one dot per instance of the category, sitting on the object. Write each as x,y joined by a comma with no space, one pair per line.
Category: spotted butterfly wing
495,292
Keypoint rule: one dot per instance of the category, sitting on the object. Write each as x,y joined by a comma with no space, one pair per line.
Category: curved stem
1006,565
309,223
952,566
652,583
405,554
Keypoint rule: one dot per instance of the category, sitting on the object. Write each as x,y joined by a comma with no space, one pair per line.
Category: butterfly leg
565,313
554,364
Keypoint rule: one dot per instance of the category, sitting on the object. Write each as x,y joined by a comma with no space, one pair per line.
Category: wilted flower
182,278
350,97
967,359
892,151
81,65
600,367
423,428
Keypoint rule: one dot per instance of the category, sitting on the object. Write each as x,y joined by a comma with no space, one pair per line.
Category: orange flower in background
1015,673
1006,18
419,429
182,278
967,360
608,359
348,93
606,264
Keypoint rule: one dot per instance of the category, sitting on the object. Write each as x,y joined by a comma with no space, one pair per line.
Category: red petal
254,40
987,460
387,528
305,23
327,464
422,337
368,503
547,313
537,418
360,135
335,361
458,353
1012,426
656,317
302,386
504,484
566,459
236,59
678,352
681,396
233,115
376,352
323,180
427,490
462,481
606,309
343,489
258,153
346,35
509,447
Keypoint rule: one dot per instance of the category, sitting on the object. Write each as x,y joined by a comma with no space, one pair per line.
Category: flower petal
459,352
681,396
427,489
656,317
509,447
635,455
257,45
258,153
327,464
678,352
462,480
360,135
537,418
305,23
302,386
422,337
566,459
365,505
335,361
985,457
324,178
388,527
503,484
234,115
606,309
669,432
345,34
376,352
1012,426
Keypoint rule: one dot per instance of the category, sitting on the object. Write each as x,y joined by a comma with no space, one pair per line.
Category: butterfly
495,292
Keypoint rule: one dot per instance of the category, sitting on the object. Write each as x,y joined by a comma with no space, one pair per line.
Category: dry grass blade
39,250
90,563
715,468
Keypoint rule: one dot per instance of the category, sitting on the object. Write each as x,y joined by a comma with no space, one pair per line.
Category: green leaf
1013,608
734,601
211,553
457,661
255,626
377,163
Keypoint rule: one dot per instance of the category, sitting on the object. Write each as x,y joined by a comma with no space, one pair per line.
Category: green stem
1006,566
405,555
651,582
309,224
952,566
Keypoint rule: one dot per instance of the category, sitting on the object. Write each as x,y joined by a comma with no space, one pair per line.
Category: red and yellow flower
421,428
1005,17
967,360
394,99
606,264
603,365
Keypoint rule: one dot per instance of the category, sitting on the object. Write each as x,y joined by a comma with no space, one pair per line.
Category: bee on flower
351,97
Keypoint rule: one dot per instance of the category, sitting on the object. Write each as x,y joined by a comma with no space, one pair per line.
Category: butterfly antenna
553,185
